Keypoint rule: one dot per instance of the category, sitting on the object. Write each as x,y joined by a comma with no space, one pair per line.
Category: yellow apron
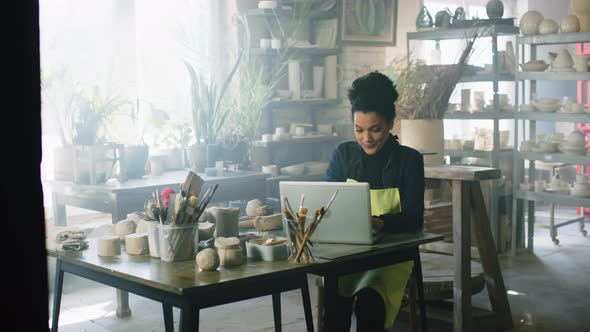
389,281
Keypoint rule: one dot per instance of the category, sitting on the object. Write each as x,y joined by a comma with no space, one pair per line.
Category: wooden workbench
469,210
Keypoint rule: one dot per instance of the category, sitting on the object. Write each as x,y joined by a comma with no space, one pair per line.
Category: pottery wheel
437,273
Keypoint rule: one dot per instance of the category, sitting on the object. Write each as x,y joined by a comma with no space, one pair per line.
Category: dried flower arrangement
424,90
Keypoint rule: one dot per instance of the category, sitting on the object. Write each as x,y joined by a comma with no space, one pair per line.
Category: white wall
356,61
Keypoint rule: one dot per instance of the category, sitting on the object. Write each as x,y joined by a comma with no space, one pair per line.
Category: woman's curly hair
373,92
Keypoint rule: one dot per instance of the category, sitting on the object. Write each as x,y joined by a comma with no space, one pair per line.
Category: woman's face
371,131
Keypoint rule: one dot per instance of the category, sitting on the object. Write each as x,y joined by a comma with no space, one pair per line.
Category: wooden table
122,198
182,285
469,210
343,259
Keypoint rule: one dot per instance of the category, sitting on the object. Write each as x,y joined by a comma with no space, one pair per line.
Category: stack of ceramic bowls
574,144
546,104
581,186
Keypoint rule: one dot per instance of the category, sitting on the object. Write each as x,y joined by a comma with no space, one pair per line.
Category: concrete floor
548,291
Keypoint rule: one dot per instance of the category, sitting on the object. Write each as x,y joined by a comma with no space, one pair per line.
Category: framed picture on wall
368,22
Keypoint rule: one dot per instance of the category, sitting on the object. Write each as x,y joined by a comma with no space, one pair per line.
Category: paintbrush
206,201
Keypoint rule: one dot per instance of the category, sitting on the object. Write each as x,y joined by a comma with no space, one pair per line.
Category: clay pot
529,22
569,23
548,26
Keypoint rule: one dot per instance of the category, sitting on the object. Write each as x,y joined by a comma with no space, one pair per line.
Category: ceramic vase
495,9
412,135
424,20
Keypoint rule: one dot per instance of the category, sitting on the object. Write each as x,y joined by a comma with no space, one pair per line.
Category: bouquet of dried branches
424,90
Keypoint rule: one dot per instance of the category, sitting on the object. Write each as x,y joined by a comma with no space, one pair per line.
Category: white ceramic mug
265,43
275,43
267,137
299,131
577,108
280,131
273,170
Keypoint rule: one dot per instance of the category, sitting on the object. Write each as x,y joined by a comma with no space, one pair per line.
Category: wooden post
462,257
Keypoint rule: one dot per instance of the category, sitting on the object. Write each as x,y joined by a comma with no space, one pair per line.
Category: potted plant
209,113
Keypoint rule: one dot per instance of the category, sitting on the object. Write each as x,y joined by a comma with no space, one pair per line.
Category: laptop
348,220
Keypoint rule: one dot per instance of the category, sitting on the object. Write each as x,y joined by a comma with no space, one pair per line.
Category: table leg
552,228
276,310
531,226
306,304
123,304
168,317
59,210
462,257
489,259
420,286
330,298
58,285
189,319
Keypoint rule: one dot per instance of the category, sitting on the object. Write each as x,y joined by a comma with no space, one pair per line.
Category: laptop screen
348,220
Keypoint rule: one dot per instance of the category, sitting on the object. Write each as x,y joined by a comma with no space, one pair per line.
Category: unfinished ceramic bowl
569,23
293,170
548,26
529,22
534,65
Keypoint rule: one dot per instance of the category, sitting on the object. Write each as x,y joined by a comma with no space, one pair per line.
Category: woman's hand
377,224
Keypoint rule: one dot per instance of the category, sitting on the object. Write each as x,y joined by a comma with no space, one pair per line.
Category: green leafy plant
258,79
207,109
95,109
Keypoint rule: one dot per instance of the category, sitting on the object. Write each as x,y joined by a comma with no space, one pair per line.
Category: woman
395,174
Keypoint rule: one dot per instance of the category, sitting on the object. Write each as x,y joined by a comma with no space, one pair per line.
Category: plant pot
424,134
136,157
198,157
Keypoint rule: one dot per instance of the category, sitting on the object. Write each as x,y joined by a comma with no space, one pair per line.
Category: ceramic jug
561,60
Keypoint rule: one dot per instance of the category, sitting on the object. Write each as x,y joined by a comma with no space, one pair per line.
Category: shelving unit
493,113
314,146
553,198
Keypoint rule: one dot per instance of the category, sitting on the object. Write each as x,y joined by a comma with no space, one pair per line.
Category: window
133,49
